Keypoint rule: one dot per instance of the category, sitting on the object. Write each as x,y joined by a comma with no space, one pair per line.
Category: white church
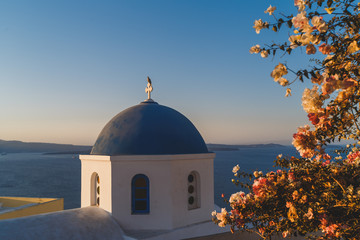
149,176
150,168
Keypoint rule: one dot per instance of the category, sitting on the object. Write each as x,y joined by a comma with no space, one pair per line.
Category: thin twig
339,184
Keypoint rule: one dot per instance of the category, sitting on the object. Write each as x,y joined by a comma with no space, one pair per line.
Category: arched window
193,181
95,190
140,192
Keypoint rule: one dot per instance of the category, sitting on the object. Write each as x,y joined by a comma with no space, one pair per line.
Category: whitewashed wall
168,188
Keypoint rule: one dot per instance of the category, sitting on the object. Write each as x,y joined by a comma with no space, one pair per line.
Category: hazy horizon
250,143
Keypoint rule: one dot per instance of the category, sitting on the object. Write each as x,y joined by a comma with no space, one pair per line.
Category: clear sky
67,67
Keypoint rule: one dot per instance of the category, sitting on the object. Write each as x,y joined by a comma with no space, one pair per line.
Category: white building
150,168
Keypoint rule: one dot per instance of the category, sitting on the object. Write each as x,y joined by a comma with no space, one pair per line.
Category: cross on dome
149,88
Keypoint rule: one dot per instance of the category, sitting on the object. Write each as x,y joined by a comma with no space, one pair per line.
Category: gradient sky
67,67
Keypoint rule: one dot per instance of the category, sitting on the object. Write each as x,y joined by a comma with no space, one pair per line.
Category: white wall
180,171
102,166
160,194
168,188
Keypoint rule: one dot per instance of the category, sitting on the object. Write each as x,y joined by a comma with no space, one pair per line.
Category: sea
59,175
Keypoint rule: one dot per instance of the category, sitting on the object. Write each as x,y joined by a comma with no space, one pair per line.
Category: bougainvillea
315,195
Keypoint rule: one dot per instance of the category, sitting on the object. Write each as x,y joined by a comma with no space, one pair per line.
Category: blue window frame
140,194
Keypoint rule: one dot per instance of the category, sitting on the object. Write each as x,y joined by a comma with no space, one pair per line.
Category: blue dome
149,129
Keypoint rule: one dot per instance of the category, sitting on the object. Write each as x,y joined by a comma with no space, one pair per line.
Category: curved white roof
81,223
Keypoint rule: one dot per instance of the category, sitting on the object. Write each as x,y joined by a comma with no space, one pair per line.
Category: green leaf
306,74
301,78
289,23
313,74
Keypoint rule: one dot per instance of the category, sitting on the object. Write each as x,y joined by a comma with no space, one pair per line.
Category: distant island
54,148
49,148
225,147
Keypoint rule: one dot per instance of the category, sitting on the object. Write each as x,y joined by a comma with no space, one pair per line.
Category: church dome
149,129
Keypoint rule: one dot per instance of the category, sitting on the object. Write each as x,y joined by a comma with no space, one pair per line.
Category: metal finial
149,88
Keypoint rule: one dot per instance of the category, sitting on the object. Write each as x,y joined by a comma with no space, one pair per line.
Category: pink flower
237,198
279,71
270,10
221,217
323,219
259,24
291,176
309,214
285,234
318,79
330,85
327,162
261,186
353,157
353,47
310,49
311,100
319,24
305,142
295,195
255,49
349,82
313,118
325,49
300,21
300,4
331,230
